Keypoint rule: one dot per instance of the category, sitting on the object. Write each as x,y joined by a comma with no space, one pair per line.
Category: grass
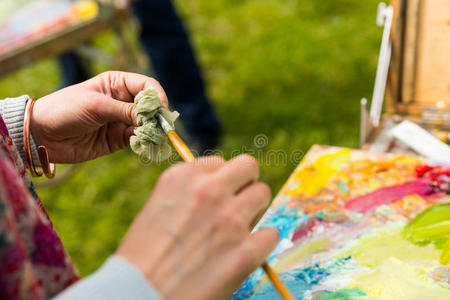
292,71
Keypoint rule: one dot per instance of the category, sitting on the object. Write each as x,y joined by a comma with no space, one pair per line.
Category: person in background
191,240
166,42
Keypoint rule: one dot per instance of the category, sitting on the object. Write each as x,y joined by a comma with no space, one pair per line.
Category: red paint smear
422,169
390,194
305,229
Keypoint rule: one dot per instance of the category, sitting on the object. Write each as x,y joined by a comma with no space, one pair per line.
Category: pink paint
390,194
304,229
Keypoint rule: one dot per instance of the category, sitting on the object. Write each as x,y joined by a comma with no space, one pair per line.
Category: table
72,37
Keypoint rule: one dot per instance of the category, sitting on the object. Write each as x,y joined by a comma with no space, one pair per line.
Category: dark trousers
167,44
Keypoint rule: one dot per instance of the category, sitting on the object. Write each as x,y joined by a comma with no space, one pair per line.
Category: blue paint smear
286,220
297,281
300,281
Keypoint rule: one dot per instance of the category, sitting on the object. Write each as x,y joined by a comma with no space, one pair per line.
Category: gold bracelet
47,168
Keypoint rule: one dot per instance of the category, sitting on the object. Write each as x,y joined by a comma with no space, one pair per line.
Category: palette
359,225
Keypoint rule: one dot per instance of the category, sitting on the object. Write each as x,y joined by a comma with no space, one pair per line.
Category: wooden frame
419,74
61,40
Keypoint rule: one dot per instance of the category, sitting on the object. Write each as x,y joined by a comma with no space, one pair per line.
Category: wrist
47,168
36,127
12,111
117,279
146,265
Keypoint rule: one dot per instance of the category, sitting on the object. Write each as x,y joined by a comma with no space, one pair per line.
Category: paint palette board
359,225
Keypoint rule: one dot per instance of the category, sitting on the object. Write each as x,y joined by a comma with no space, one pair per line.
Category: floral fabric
33,261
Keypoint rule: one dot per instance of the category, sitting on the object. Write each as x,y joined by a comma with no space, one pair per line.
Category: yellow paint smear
397,280
301,253
317,175
297,256
398,266
445,255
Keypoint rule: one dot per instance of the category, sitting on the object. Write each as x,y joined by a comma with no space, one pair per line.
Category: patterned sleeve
33,261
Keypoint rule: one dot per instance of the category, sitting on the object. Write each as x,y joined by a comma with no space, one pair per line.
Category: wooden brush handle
277,283
180,146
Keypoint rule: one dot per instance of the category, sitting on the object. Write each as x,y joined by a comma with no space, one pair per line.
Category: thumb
119,111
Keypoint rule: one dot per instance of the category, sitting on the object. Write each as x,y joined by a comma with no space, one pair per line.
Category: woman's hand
192,239
90,119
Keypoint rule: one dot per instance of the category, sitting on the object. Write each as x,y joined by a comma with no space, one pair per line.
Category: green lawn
293,71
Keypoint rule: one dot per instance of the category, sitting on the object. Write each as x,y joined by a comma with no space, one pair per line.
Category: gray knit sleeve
12,111
117,279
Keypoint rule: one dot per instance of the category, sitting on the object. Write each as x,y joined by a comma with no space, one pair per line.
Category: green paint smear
150,141
343,188
432,226
346,294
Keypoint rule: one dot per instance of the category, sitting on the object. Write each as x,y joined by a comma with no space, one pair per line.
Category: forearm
12,111
117,279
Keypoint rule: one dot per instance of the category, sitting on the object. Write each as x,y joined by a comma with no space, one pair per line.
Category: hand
90,119
192,239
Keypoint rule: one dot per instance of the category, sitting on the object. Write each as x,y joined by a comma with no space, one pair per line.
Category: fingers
209,163
118,136
119,89
127,134
117,111
252,253
125,86
258,246
239,172
251,201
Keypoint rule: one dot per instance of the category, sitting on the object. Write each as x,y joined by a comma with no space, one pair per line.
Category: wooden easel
419,70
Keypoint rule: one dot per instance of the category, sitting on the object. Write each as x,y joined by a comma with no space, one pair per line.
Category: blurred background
289,73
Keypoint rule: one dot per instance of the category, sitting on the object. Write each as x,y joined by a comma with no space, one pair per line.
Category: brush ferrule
164,124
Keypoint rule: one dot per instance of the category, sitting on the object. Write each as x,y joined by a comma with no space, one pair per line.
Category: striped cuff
117,279
12,111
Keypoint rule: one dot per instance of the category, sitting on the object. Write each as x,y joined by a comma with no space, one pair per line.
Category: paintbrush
187,156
